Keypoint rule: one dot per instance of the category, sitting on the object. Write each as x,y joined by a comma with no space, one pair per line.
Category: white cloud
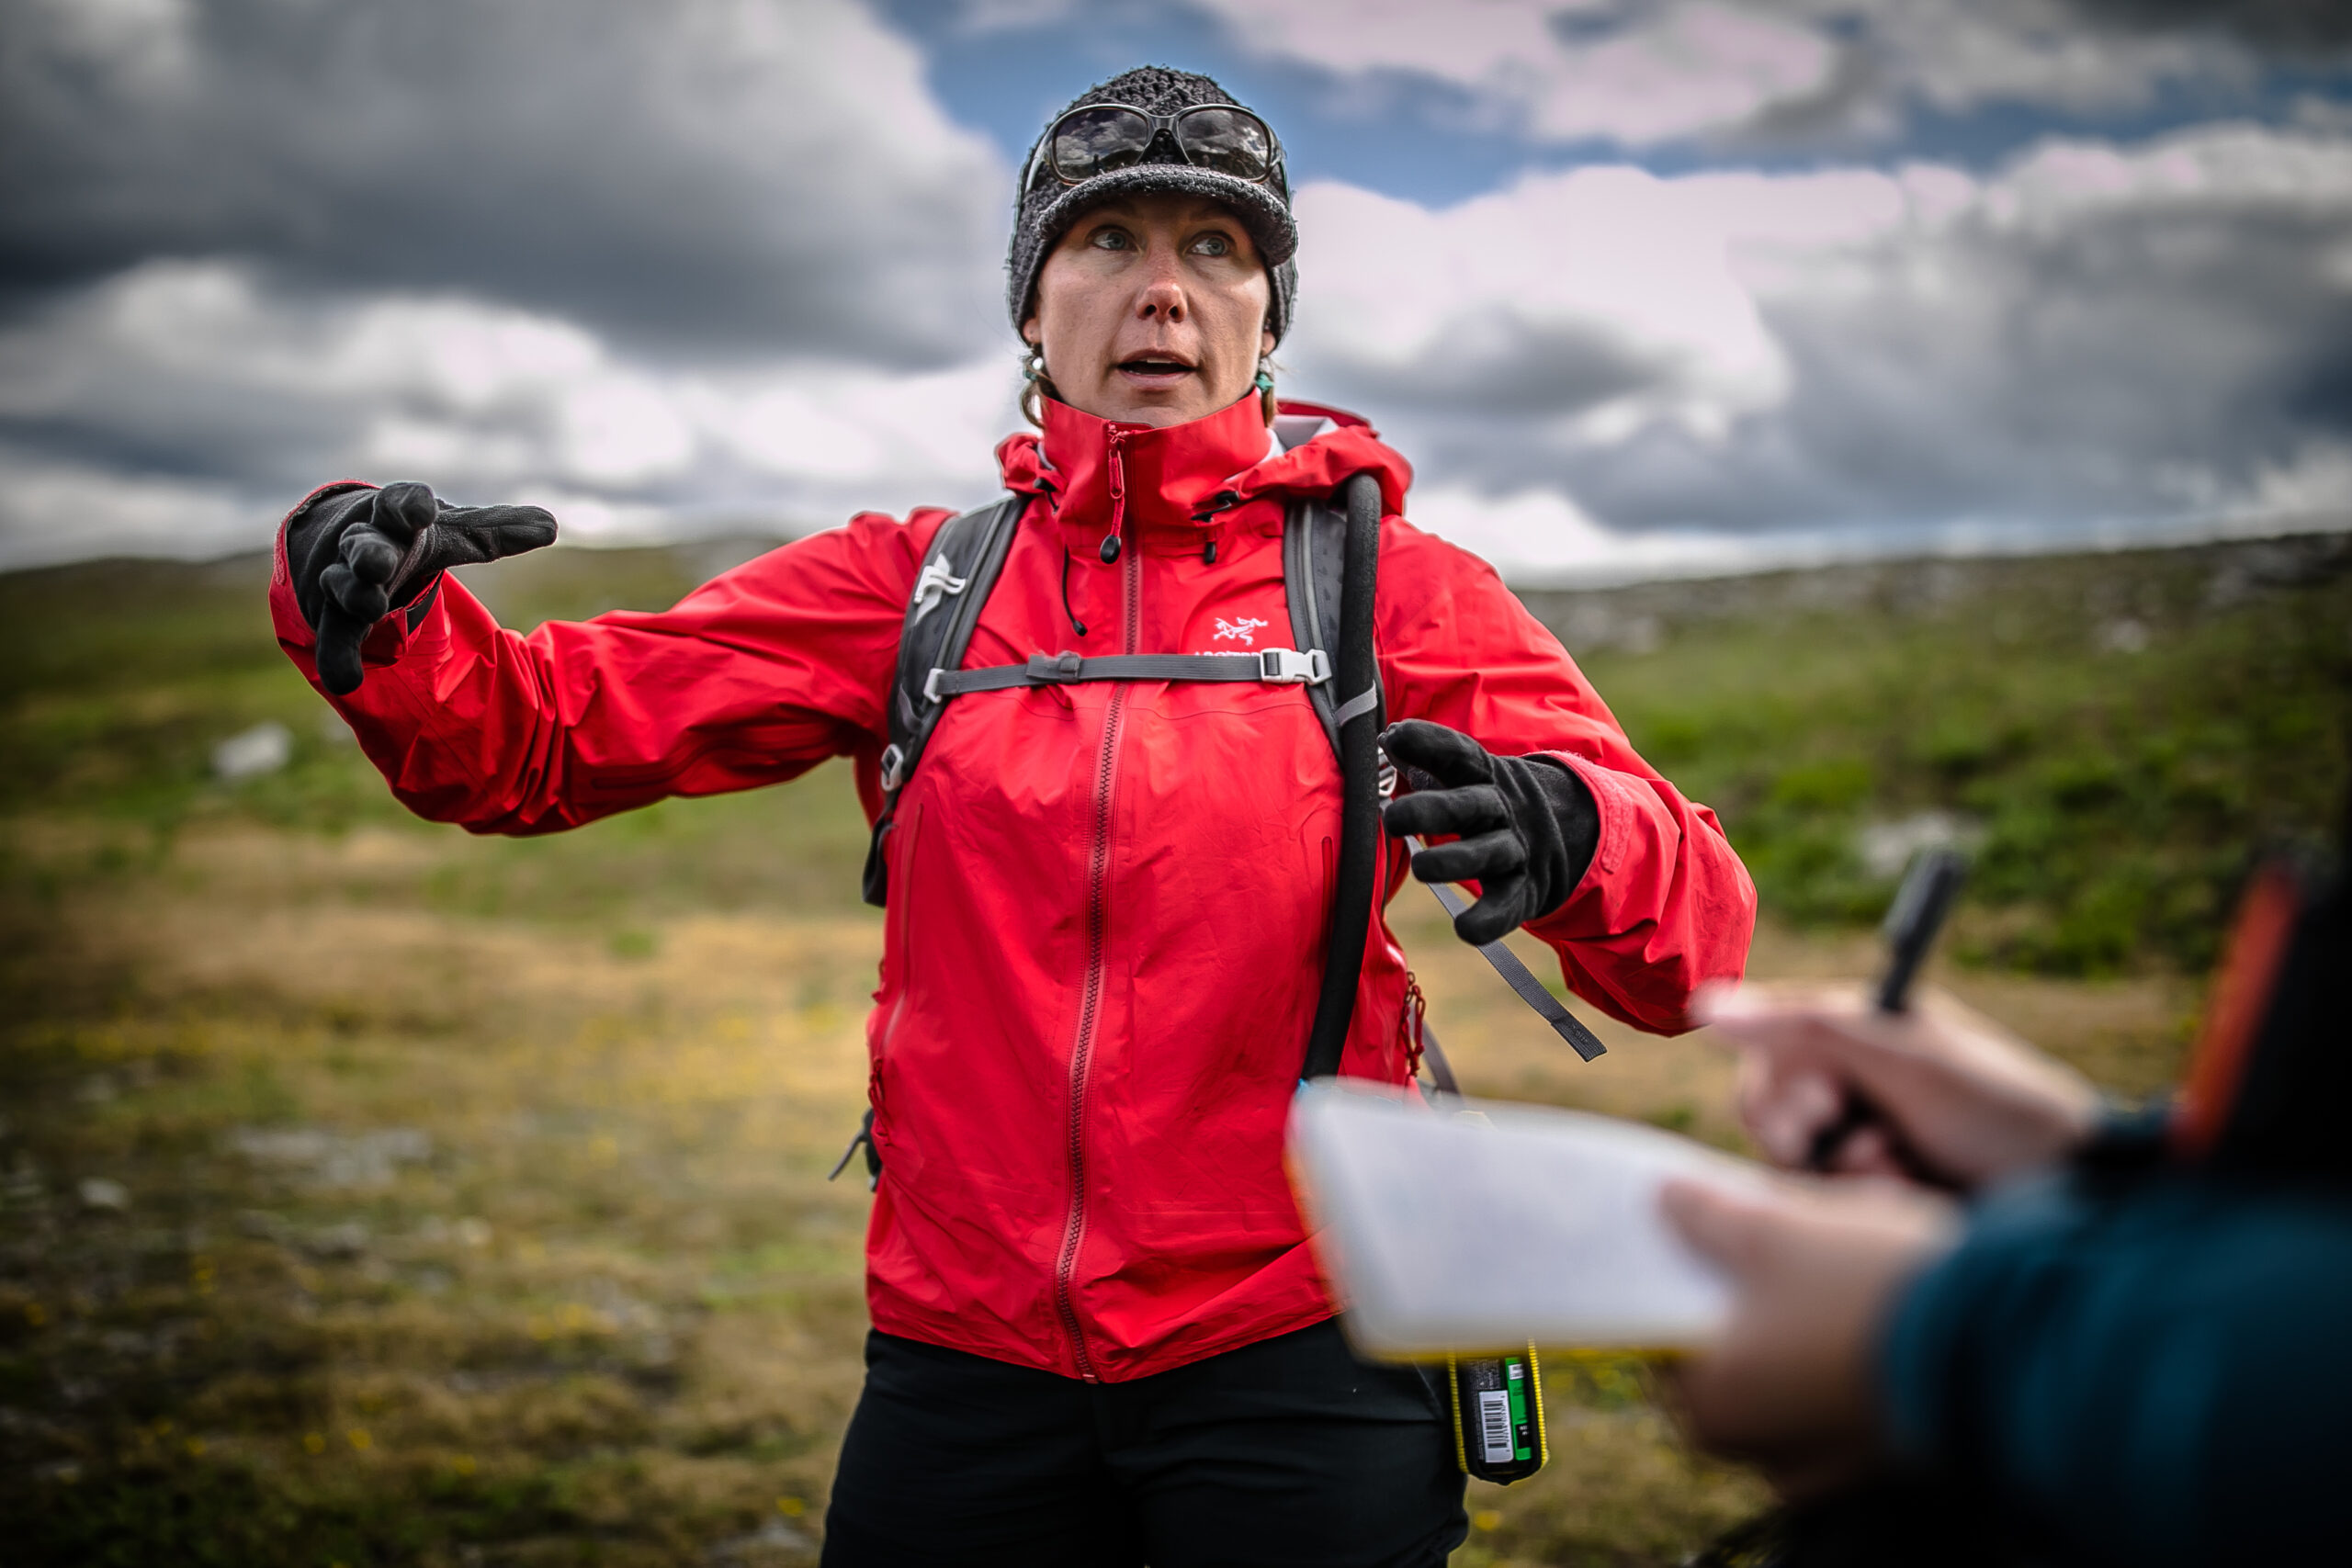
1563,71
1577,306
145,46
181,406
2095,337
1958,55
54,509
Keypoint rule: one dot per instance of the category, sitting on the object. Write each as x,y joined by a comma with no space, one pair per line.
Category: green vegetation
370,1193
2117,733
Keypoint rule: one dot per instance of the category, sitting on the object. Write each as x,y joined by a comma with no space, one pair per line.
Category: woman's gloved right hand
356,555
1527,827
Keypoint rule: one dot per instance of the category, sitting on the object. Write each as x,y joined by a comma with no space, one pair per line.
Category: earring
1035,385
1265,384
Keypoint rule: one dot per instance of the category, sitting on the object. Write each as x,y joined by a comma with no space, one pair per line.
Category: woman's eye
1212,245
1110,240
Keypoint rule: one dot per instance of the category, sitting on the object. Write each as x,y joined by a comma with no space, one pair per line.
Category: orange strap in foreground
2234,1018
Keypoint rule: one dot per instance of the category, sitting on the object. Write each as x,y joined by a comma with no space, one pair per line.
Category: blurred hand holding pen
1849,1081
1839,1080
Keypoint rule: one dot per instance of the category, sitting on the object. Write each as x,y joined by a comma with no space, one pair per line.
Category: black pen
1923,901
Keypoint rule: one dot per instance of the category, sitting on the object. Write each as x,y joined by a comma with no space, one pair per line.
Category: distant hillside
2150,588
2115,734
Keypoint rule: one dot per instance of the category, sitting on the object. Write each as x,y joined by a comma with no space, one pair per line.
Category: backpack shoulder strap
1315,535
958,573
1343,615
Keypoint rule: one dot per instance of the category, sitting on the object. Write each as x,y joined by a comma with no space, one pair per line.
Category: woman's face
1152,310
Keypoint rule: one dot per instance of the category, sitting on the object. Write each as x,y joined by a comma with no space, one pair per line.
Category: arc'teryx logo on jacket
1080,1064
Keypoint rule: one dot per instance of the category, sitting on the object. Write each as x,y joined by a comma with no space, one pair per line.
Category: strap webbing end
1531,991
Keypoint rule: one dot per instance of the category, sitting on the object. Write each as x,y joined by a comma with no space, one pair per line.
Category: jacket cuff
1608,809
293,627
1918,1354
2128,1139
1945,1350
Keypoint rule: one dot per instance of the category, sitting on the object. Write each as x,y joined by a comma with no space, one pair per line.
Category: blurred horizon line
1626,559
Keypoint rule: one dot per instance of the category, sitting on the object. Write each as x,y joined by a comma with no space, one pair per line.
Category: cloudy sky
1638,284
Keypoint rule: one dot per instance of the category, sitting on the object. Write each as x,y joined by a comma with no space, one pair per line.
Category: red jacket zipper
1098,919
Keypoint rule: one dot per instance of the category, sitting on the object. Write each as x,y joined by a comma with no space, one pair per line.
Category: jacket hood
1195,479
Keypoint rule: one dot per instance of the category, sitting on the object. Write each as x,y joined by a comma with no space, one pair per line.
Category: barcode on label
1494,1425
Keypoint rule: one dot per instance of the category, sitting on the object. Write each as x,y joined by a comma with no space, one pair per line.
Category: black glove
356,554
1527,825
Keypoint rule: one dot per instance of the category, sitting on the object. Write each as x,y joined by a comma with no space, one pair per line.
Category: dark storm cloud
2295,28
707,177
2152,361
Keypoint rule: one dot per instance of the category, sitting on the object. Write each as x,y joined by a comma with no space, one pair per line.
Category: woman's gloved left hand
355,555
1527,826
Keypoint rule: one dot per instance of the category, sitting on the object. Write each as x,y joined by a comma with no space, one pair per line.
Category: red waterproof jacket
1108,902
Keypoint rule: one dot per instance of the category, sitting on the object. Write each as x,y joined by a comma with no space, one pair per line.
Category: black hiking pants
1287,1452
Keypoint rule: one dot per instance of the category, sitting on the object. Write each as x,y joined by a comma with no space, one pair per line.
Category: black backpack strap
1355,724
959,571
1314,536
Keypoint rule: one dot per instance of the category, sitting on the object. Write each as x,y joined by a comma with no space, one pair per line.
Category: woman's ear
1032,335
1265,343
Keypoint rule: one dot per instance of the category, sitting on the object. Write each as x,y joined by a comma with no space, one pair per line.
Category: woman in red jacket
1098,1335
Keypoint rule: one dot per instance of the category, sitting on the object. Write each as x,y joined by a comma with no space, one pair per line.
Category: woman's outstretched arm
753,678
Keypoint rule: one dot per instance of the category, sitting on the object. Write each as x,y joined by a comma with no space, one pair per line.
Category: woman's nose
1162,297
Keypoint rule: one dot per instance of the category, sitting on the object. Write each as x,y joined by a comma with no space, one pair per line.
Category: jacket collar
1177,485
1138,478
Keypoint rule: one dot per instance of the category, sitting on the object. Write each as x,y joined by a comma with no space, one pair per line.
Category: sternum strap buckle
1289,667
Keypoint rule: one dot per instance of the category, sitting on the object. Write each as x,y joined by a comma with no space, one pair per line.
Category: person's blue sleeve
2160,1377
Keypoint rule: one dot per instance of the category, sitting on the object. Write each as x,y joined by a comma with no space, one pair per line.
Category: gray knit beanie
1042,213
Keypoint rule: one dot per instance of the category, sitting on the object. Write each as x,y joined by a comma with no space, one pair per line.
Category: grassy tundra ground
372,1194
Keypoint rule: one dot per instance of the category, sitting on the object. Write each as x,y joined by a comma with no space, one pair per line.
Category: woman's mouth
1150,370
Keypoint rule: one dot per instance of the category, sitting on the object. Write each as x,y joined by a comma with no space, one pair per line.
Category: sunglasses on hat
1099,138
